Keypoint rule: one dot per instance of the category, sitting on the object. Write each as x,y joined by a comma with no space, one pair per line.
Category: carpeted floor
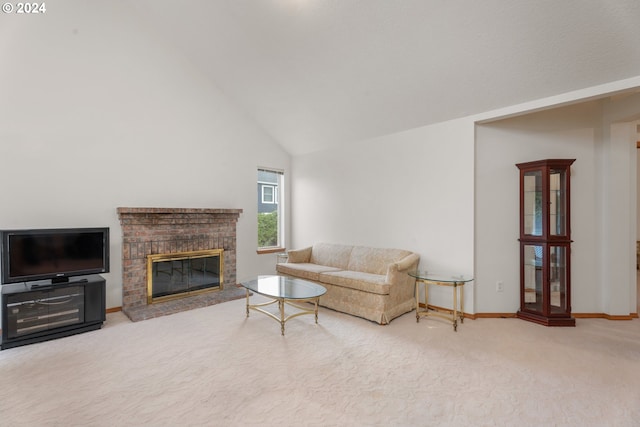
212,366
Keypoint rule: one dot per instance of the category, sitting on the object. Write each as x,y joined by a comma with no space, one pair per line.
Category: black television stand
40,311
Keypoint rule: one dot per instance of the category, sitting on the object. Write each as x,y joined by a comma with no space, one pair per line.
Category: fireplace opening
177,275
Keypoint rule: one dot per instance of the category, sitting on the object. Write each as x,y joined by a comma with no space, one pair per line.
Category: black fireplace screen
175,275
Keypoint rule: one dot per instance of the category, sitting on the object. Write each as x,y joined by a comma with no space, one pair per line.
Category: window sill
270,250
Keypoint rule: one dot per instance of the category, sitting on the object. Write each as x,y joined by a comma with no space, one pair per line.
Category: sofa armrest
299,255
406,264
409,262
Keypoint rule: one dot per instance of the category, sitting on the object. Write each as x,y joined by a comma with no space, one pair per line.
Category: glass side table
455,282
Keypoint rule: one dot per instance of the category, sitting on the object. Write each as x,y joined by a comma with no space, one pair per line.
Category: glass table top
284,287
435,276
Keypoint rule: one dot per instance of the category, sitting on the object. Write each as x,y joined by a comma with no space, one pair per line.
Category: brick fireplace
152,231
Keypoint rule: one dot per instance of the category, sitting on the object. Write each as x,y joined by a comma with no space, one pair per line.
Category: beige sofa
367,282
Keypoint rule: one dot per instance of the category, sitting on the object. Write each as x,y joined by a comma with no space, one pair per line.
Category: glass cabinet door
558,279
557,203
532,191
533,262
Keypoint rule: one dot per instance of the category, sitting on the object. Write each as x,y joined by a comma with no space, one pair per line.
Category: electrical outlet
499,287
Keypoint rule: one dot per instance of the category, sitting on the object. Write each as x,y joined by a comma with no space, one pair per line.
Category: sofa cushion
374,260
330,254
367,282
304,270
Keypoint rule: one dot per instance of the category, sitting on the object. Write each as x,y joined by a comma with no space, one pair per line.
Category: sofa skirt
374,307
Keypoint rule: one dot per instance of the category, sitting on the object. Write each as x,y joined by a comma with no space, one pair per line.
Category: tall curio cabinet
545,242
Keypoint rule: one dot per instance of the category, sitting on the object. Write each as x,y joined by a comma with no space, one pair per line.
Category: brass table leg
281,316
282,320
247,302
417,301
316,310
425,312
426,296
457,311
455,307
461,302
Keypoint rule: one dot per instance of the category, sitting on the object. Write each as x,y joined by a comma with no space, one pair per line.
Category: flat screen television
55,254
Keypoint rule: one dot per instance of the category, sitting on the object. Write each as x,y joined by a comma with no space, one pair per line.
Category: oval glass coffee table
284,291
456,282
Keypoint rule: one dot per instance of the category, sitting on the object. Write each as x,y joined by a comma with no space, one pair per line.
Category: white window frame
280,203
274,194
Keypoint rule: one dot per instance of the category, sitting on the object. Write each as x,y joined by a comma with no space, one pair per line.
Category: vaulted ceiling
319,73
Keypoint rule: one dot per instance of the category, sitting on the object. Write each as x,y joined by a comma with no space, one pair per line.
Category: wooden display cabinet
545,242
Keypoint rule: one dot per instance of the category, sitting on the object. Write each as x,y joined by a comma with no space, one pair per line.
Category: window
269,194
270,209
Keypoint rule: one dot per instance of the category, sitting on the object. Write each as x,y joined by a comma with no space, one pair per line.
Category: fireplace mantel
172,211
149,230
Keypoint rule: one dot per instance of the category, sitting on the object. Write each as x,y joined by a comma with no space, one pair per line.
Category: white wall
412,190
97,113
618,276
431,190
560,133
638,195
603,213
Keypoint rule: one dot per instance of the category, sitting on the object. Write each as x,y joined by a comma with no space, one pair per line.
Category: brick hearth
171,230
